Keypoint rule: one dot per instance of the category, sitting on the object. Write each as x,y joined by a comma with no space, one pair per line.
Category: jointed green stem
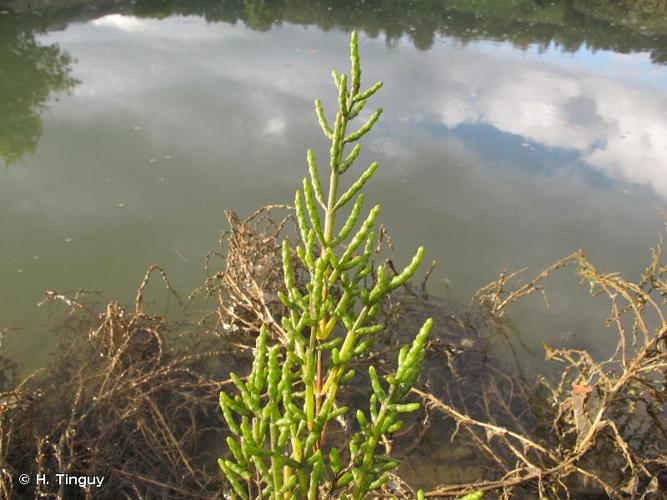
369,453
291,465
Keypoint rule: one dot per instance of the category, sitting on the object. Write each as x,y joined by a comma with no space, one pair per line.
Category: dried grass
133,397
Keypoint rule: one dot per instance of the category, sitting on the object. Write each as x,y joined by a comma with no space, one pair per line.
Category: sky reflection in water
492,157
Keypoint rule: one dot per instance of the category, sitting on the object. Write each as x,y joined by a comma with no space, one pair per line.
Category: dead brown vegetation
601,426
124,397
134,397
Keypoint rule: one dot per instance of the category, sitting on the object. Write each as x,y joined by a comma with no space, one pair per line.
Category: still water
514,133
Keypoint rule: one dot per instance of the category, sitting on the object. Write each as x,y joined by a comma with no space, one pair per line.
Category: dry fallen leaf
581,389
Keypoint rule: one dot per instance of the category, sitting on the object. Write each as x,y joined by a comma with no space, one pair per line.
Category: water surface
513,134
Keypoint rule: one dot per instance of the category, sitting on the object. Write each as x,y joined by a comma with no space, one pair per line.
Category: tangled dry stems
603,427
130,400
136,397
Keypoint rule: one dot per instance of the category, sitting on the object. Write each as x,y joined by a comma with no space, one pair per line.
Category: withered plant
602,424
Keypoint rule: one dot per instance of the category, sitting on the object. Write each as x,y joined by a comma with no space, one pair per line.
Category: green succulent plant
279,414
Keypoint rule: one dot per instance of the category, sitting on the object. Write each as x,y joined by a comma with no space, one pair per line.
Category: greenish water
514,132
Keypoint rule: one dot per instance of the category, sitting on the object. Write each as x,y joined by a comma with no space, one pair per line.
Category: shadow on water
30,72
